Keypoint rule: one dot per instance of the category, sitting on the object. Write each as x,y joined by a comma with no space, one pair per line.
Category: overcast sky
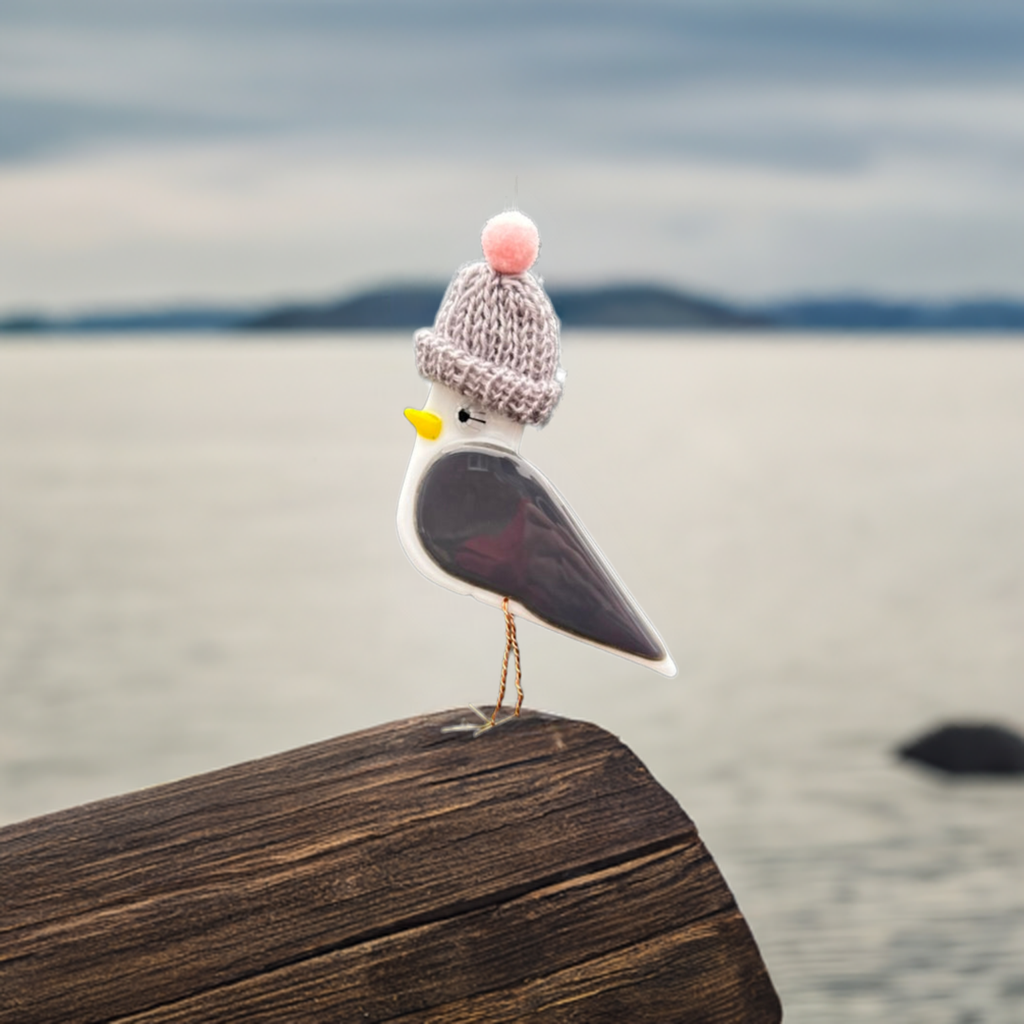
249,150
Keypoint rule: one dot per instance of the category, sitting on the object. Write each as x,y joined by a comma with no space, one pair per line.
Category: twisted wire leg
512,641
511,647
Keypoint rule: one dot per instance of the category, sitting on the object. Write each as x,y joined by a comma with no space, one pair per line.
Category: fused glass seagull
474,515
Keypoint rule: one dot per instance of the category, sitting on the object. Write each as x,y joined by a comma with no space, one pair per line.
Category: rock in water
969,750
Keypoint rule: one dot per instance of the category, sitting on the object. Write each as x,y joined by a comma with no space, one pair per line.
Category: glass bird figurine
474,515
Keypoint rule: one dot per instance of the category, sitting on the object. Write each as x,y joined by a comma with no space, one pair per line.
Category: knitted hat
495,339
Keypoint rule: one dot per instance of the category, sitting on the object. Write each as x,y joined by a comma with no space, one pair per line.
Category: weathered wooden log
536,872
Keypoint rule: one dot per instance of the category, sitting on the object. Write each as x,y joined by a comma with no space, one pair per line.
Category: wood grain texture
398,874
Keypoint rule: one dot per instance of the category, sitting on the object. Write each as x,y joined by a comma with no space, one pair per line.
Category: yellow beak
426,423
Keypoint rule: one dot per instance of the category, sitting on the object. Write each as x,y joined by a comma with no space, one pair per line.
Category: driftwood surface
536,872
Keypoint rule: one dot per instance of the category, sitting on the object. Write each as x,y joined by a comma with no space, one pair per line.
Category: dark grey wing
489,519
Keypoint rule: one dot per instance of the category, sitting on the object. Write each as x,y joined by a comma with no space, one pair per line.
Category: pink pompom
510,242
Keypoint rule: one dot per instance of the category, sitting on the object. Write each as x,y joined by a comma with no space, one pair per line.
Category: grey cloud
41,127
568,78
740,146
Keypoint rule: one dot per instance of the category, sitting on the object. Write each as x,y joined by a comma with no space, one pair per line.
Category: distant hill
624,306
401,306
158,321
416,306
865,314
646,306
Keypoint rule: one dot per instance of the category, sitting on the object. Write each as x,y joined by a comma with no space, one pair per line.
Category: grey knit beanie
495,339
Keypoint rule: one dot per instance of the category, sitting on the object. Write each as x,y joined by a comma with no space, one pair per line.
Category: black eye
464,416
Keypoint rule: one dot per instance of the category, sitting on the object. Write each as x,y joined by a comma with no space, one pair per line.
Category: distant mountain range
614,307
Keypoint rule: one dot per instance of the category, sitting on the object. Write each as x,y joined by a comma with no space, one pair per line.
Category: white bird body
478,519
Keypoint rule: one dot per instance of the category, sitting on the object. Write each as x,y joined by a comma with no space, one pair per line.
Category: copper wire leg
511,644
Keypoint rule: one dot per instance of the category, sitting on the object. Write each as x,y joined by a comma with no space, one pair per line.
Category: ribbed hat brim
493,386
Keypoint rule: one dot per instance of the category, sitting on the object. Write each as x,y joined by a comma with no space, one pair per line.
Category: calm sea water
198,564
